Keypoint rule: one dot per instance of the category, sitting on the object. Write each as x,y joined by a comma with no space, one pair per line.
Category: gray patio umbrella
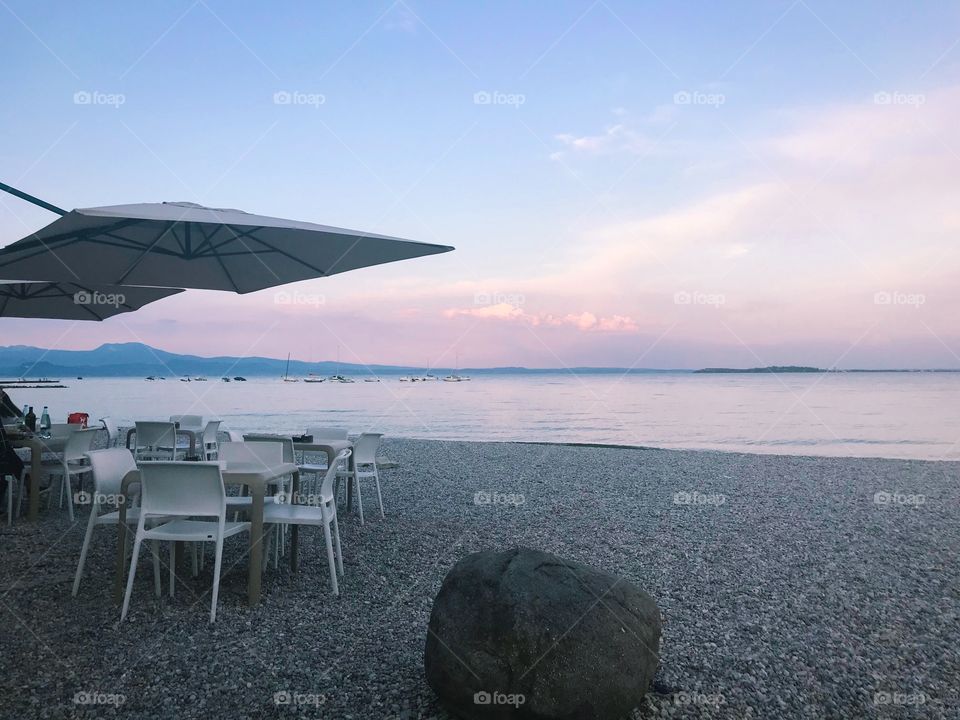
190,246
73,301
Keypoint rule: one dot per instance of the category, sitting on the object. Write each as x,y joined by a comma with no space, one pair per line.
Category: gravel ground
788,587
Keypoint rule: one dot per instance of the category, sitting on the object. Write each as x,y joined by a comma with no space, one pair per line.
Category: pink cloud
584,321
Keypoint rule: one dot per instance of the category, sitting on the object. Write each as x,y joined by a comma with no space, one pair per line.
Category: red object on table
78,417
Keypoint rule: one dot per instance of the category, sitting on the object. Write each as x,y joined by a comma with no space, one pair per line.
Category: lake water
914,415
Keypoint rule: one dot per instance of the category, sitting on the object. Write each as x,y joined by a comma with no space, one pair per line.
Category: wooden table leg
256,546
294,528
36,461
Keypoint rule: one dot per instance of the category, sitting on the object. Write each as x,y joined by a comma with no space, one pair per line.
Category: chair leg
173,563
336,536
68,491
356,483
376,476
130,576
20,489
86,546
155,549
193,558
9,481
216,578
330,561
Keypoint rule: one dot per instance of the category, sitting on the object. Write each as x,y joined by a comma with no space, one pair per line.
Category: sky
669,185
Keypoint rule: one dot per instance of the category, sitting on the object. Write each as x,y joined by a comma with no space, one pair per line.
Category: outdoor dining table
256,477
37,446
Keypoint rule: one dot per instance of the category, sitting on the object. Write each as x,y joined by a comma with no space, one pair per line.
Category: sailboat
313,378
338,377
454,377
286,373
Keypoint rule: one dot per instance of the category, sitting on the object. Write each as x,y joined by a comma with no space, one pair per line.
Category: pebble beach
790,587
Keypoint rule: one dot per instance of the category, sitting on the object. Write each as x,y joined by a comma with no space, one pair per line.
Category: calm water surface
878,414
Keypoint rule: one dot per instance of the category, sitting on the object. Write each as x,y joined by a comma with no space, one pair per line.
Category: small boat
151,378
79,377
313,379
371,379
225,379
454,377
286,373
185,379
339,379
239,378
405,379
199,379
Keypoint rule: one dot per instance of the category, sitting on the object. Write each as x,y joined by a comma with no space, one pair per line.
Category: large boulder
525,634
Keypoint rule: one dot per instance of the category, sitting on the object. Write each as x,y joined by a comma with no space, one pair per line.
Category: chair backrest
188,422
156,434
365,448
289,456
210,431
182,488
79,442
327,433
326,489
235,435
110,466
265,454
112,430
62,430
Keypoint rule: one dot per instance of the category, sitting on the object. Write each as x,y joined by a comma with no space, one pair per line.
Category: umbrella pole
30,198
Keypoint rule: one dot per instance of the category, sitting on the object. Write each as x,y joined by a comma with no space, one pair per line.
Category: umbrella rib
288,255
146,252
223,266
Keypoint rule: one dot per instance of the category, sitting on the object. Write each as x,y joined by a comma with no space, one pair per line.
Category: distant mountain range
139,360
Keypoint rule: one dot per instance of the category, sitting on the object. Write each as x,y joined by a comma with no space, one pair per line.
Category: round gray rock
525,634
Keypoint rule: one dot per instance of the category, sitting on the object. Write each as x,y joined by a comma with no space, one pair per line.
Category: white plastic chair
113,431
364,466
323,514
209,441
62,430
109,467
188,422
155,441
71,464
191,489
321,433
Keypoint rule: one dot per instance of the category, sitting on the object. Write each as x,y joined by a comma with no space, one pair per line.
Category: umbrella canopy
187,245
72,301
